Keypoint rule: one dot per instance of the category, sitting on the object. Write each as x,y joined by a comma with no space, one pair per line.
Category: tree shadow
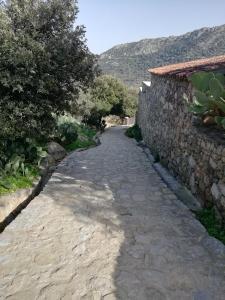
148,243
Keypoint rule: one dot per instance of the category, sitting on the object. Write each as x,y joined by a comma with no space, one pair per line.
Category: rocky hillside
130,61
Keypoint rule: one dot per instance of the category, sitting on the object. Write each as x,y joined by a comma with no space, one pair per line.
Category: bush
44,62
208,218
94,119
134,132
17,154
66,133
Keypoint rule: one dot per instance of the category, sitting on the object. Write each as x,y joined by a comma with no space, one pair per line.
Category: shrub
67,133
208,218
94,119
44,62
134,132
17,154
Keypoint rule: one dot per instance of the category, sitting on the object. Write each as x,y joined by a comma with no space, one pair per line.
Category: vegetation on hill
130,61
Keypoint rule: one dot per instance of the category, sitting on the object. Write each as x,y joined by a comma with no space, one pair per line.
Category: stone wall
194,154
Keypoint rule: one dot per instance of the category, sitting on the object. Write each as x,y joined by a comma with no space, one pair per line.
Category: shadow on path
151,242
107,227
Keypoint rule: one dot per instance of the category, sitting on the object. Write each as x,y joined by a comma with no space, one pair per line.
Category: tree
44,63
109,96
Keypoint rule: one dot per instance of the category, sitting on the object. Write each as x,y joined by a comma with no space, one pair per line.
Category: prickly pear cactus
209,96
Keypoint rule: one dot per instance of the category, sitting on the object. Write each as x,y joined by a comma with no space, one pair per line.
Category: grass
208,218
134,132
10,183
86,131
85,139
79,144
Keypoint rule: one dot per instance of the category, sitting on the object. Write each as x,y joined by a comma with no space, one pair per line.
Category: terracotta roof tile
186,68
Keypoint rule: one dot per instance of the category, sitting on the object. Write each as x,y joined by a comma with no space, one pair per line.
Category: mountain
131,61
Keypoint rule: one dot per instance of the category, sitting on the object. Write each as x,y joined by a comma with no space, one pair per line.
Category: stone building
193,153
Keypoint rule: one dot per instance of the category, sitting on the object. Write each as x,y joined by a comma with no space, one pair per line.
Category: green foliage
79,144
44,63
66,133
85,138
17,156
11,183
94,118
209,96
80,136
208,218
134,132
86,132
109,96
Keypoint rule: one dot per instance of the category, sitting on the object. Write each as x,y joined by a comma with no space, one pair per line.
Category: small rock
212,163
192,183
56,151
215,191
48,161
192,162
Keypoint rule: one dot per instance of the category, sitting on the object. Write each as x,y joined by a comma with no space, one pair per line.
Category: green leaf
199,110
202,98
216,88
221,105
7,185
219,120
201,80
26,172
221,78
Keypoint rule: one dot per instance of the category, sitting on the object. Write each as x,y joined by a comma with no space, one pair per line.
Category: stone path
107,227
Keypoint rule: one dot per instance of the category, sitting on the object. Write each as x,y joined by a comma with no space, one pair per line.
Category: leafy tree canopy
44,63
111,96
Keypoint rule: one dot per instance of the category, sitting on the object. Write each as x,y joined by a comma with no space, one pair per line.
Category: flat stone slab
107,227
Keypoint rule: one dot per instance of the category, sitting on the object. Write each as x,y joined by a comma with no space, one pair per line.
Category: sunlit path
107,227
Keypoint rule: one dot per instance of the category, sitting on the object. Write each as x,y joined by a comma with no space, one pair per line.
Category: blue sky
112,22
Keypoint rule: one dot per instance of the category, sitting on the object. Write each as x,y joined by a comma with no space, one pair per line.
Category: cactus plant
209,96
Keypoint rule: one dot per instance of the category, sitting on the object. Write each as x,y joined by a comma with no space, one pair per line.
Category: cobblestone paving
107,227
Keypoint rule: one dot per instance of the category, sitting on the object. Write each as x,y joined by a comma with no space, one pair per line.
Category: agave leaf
23,168
6,184
15,166
26,172
8,167
43,154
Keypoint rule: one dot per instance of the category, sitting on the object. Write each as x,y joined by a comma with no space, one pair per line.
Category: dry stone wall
194,154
